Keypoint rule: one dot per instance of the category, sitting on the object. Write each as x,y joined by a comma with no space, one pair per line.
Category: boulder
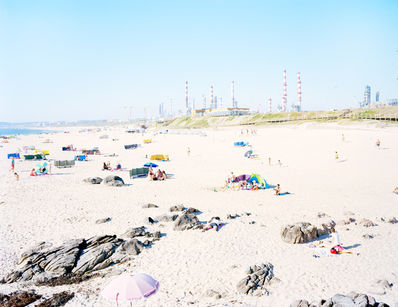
257,279
192,210
19,298
302,232
166,218
352,299
114,181
366,223
177,208
102,221
232,216
186,221
58,299
136,232
146,206
93,180
75,260
150,221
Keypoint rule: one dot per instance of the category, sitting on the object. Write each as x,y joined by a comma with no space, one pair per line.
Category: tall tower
186,98
232,94
211,97
366,96
269,105
377,96
284,97
298,93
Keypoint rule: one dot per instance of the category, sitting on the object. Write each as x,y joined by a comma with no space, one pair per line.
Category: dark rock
366,223
186,221
352,299
302,232
368,236
166,218
58,299
93,180
132,247
146,206
191,210
149,220
114,181
18,299
232,216
300,303
177,208
258,277
136,232
104,220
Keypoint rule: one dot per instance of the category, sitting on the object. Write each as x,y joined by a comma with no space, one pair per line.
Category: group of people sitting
107,167
159,175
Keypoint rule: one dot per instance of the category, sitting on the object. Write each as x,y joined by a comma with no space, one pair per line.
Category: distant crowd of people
159,175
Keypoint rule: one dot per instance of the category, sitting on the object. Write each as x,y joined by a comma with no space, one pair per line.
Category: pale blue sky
66,60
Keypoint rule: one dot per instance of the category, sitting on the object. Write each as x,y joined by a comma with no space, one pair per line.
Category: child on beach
277,189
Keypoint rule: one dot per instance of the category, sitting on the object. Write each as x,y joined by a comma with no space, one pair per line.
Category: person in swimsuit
277,189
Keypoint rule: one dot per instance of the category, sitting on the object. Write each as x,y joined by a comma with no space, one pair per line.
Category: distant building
222,112
377,96
366,97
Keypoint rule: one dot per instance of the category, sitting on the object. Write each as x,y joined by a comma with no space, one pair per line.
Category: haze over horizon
73,60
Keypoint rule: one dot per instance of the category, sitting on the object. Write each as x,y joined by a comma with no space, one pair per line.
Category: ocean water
14,131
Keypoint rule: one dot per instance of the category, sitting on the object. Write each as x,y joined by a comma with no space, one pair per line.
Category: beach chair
139,172
160,157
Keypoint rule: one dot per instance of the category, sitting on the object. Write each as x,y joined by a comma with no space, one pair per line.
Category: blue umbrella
150,164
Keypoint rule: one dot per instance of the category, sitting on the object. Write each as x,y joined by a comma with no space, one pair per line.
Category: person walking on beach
336,155
188,151
12,164
342,137
280,163
378,143
269,161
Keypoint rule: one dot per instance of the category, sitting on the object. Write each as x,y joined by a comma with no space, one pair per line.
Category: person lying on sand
214,223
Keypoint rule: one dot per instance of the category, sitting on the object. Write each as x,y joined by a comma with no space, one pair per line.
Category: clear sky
68,60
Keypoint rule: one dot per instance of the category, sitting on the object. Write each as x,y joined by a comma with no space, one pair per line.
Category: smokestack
232,94
186,98
269,105
211,97
284,97
298,92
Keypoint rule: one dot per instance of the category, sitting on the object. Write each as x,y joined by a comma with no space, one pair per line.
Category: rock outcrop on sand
45,263
20,299
258,277
366,223
104,220
302,232
166,218
93,180
17,299
177,208
186,221
135,232
146,206
351,299
114,181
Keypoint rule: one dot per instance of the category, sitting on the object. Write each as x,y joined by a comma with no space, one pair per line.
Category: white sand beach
60,207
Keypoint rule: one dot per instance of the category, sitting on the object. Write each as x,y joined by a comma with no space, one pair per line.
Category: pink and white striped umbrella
129,287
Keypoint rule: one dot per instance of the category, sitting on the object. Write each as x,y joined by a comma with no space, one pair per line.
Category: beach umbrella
129,287
248,153
150,164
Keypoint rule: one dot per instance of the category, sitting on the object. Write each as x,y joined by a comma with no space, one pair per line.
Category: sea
15,131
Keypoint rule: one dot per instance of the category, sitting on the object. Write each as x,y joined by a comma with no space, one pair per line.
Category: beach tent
44,152
80,158
13,155
132,146
147,141
241,144
160,157
259,180
68,148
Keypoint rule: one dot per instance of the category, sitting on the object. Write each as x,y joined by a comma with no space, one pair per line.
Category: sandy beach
188,264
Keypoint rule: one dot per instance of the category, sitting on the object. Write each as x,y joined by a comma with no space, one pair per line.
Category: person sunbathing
105,167
159,175
214,223
254,186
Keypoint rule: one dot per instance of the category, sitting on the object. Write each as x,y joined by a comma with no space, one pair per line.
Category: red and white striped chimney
298,92
284,97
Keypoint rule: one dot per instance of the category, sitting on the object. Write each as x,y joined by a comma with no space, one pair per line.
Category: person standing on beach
280,163
188,151
378,143
12,164
269,161
342,137
16,176
336,155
